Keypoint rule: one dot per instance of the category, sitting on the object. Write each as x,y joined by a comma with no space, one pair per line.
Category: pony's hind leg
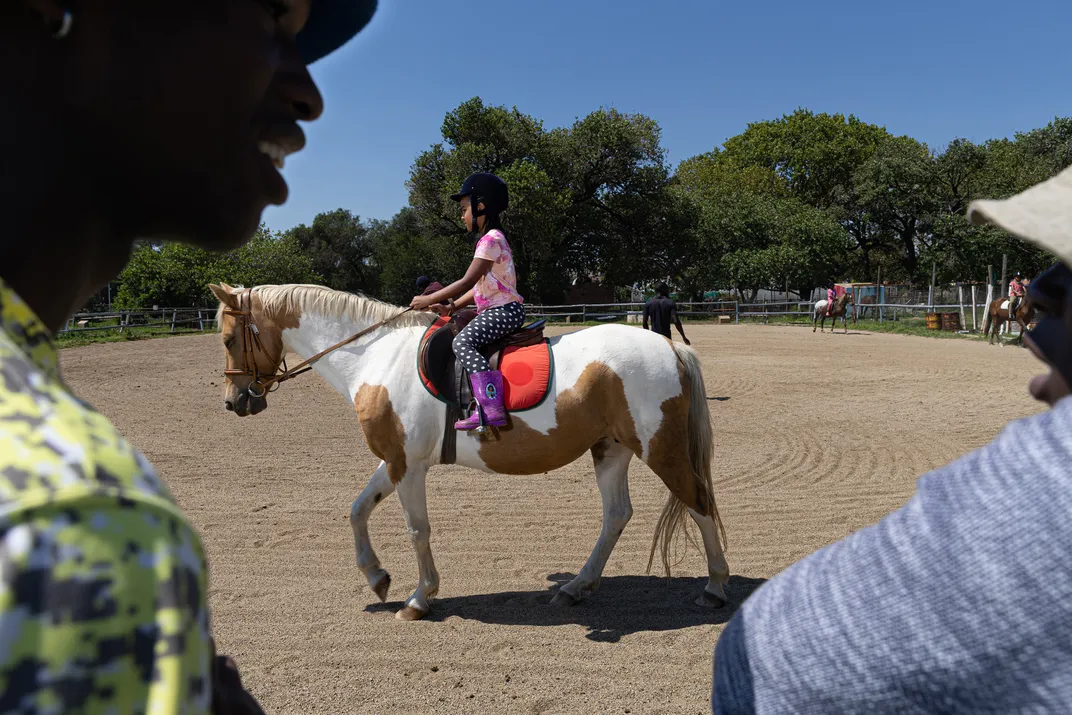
412,495
718,570
378,488
612,477
687,495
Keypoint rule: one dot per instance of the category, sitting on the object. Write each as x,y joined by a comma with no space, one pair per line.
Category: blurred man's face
1047,387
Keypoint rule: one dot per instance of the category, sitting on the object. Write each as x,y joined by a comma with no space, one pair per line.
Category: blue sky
703,69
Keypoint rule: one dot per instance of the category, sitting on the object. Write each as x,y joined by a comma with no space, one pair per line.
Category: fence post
960,297
174,314
934,275
975,325
736,312
1004,265
200,321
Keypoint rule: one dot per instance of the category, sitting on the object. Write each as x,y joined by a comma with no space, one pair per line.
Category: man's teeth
276,153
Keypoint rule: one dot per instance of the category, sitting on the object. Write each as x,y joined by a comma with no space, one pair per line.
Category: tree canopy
799,199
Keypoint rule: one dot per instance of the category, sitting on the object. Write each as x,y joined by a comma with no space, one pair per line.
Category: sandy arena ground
816,436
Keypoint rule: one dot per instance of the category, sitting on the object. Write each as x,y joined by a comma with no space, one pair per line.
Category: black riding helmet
1051,292
488,189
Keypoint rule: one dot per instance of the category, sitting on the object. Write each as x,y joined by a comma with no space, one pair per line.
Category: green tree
339,251
1051,143
816,154
402,252
589,199
897,188
177,274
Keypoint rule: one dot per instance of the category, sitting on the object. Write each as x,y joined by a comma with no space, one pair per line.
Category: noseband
251,341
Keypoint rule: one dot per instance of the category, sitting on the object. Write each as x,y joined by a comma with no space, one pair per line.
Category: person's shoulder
54,445
1024,468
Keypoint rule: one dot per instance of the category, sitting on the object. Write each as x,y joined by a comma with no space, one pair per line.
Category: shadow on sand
622,605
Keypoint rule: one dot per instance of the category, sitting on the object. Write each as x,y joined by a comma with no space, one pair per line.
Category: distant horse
866,303
839,310
998,313
614,391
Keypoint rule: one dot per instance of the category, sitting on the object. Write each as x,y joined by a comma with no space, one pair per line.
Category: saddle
524,352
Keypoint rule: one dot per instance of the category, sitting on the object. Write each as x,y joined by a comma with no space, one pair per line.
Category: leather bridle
251,342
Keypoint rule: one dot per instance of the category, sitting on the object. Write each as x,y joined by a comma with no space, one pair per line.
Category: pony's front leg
378,488
612,478
412,495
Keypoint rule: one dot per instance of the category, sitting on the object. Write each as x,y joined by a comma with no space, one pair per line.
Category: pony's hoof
382,586
409,613
710,600
563,598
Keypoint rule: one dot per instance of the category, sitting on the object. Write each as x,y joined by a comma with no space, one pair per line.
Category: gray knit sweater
958,602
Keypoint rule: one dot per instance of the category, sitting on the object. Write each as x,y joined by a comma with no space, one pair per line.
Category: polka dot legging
485,328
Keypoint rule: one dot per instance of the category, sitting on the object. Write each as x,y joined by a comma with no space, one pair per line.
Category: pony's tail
987,320
700,442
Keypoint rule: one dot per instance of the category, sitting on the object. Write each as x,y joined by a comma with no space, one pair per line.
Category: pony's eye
228,343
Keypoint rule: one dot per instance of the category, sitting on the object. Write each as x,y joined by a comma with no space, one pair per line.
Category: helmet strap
474,203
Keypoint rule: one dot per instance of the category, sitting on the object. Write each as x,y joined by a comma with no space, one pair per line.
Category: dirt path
816,436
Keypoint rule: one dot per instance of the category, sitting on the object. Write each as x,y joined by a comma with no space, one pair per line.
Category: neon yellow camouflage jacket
102,590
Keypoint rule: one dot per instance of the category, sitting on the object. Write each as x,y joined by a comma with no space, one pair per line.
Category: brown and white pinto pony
997,314
616,392
840,309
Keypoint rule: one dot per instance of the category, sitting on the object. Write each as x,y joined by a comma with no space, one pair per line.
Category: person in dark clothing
662,311
427,286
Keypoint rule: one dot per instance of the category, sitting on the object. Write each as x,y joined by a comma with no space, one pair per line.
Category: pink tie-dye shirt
498,286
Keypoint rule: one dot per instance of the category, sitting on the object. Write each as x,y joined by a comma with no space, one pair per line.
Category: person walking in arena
661,311
141,120
490,282
961,600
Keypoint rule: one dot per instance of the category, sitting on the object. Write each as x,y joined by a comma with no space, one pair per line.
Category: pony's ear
225,293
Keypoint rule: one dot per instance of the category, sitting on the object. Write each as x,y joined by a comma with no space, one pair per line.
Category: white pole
960,296
975,325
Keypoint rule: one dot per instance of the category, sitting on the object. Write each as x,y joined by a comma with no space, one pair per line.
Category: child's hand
420,302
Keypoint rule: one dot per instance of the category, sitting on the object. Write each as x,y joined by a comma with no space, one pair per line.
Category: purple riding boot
488,392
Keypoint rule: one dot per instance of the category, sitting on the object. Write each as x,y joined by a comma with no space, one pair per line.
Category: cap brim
458,197
331,24
1041,215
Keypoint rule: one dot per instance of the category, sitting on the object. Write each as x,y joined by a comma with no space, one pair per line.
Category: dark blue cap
331,24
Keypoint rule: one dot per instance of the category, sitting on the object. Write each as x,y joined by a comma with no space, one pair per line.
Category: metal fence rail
122,320
172,319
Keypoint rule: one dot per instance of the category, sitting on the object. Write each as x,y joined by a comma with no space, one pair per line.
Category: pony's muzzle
246,404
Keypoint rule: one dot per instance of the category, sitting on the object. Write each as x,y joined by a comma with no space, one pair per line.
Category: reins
251,339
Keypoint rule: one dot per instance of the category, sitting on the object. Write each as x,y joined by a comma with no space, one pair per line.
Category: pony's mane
298,298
